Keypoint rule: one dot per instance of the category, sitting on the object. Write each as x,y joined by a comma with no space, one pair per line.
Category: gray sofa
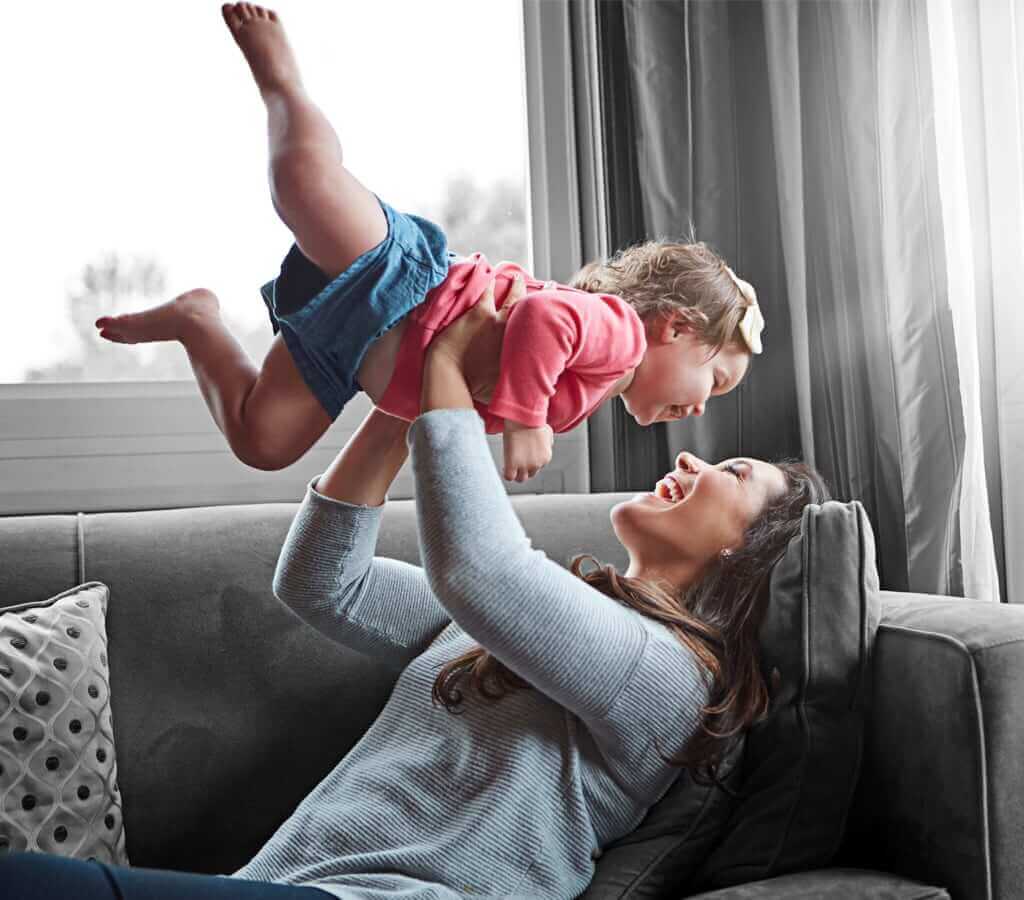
227,708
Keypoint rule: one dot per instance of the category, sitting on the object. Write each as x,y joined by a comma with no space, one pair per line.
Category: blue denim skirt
329,325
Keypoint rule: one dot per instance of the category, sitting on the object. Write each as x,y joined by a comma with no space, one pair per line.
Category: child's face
677,376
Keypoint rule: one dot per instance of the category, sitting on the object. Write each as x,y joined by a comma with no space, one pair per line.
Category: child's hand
527,450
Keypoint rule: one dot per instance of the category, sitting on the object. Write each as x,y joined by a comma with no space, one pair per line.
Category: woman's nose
697,409
689,463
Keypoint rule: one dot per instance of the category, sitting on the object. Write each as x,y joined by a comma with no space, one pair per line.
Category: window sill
95,447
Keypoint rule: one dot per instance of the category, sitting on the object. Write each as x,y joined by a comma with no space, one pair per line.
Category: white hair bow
752,323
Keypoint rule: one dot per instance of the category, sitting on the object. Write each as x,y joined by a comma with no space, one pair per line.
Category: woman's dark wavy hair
717,618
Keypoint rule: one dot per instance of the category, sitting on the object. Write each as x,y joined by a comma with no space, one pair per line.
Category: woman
540,712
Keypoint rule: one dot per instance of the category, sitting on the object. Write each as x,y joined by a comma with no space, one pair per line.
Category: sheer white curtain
883,176
979,110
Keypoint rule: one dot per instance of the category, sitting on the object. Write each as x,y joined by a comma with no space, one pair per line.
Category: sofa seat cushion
836,884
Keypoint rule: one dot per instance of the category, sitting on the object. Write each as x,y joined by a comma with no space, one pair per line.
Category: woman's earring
725,554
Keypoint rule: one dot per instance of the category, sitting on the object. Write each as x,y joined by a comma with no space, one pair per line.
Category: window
137,170
141,167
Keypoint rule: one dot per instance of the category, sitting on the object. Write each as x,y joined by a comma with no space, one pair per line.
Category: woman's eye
735,469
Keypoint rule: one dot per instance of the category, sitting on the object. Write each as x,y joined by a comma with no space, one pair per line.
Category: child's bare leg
269,417
333,217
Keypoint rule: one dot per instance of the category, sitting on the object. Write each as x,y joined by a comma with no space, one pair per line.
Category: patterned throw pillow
58,775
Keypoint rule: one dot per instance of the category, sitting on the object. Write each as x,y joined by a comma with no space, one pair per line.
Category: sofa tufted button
6,671
20,733
42,698
74,726
30,619
108,820
73,632
52,763
83,792
101,754
60,664
93,691
28,802
19,643
60,834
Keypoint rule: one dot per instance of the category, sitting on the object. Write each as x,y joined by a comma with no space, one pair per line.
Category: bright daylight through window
139,159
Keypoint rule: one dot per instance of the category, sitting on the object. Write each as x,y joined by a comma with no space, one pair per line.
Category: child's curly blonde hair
661,277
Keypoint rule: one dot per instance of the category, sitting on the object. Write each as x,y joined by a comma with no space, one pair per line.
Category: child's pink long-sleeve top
562,351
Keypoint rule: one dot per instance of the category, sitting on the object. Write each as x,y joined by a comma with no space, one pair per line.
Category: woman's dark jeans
43,876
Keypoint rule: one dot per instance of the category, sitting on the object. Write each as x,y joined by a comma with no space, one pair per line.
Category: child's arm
548,332
542,338
525,450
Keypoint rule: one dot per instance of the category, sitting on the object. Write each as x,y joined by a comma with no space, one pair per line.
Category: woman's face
693,514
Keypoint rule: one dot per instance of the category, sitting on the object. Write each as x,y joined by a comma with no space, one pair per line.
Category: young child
365,288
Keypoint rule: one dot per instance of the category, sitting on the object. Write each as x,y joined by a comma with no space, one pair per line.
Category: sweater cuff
438,424
339,520
334,500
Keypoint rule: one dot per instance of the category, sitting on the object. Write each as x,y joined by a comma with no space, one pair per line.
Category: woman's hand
473,341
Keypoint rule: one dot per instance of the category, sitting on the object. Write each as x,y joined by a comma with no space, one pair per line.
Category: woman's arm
564,637
369,462
327,572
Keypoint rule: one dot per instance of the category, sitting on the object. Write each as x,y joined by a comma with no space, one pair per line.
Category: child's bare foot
261,38
160,323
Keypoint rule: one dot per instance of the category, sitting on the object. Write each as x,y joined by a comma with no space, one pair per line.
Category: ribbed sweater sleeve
566,638
328,575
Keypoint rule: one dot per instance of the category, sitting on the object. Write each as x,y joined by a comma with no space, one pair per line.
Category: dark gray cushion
671,842
802,761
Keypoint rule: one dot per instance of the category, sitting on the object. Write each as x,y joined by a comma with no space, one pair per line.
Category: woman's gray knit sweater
507,799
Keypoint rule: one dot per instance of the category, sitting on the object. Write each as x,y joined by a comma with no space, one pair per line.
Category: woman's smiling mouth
670,489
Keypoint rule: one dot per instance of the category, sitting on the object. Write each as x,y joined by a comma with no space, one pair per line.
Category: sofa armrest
836,884
939,798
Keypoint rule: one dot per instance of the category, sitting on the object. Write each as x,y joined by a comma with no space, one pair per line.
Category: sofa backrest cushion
802,761
228,707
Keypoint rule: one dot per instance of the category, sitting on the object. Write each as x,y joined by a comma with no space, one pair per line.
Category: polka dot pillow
58,775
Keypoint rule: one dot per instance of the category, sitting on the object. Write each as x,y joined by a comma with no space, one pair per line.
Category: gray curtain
665,167
797,138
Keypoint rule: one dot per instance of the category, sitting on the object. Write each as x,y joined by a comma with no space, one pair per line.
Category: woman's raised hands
474,339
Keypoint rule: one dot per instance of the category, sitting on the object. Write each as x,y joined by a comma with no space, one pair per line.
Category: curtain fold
802,140
673,158
990,47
